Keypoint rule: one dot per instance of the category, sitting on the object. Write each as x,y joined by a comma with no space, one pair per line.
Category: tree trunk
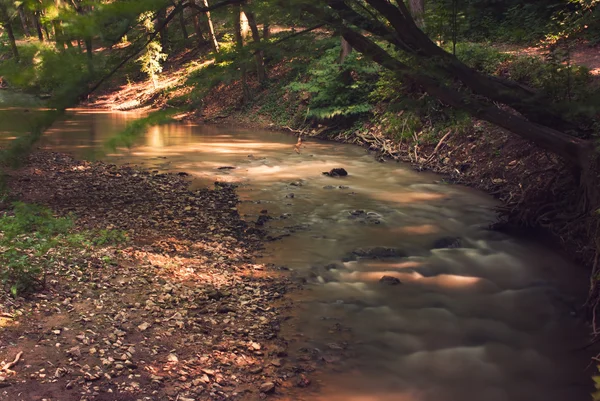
164,33
266,31
23,18
259,55
345,51
89,50
38,25
198,30
11,36
239,44
211,29
417,9
184,31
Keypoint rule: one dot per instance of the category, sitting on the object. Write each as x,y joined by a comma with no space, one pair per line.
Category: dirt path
582,54
181,313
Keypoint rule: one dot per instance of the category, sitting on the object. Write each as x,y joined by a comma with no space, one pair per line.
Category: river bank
181,311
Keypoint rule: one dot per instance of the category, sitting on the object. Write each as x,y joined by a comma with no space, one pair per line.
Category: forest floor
180,312
581,54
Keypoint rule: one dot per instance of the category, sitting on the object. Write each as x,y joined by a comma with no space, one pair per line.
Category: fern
337,90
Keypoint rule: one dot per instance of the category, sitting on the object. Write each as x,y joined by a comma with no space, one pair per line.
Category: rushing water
492,320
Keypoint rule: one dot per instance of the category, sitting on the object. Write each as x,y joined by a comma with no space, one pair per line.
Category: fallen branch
9,365
439,145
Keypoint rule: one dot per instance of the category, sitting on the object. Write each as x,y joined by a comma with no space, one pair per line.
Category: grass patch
32,240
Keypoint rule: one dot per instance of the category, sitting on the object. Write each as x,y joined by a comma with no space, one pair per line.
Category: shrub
338,89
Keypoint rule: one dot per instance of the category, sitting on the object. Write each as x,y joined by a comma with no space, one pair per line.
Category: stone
75,352
389,280
447,242
379,252
267,387
144,326
172,358
336,172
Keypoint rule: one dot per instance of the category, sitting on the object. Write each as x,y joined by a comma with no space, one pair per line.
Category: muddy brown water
495,319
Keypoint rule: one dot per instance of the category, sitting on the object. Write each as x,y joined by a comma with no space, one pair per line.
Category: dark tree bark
184,31
24,22
266,31
38,25
259,55
161,16
11,36
198,30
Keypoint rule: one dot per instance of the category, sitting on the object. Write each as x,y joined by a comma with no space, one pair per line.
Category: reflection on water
492,320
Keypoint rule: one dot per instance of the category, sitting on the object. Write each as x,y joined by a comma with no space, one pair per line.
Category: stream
489,318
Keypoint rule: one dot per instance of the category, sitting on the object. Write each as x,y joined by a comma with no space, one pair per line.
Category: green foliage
152,56
338,89
43,69
482,58
26,237
554,76
405,114
151,59
32,239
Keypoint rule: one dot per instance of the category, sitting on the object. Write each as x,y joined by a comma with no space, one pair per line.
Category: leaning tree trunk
211,29
402,32
259,54
239,44
574,150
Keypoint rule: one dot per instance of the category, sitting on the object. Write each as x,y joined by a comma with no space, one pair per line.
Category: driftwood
7,366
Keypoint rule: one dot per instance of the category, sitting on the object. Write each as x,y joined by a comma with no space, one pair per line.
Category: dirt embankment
180,313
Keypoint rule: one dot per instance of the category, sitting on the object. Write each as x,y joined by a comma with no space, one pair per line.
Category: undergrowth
33,240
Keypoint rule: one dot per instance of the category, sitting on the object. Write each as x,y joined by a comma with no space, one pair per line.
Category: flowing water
494,319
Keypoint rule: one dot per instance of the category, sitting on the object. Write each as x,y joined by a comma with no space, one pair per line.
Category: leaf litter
180,312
